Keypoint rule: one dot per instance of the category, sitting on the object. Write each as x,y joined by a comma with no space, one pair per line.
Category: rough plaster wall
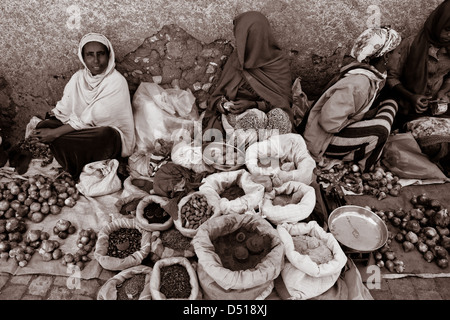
39,38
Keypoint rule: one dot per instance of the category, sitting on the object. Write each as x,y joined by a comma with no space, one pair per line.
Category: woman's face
96,57
445,34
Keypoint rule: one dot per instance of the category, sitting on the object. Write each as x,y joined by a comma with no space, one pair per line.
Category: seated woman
93,121
254,91
347,122
419,73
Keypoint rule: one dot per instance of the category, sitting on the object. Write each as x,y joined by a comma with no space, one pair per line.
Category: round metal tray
223,157
358,228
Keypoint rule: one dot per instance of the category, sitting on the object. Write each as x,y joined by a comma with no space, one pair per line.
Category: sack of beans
150,214
193,210
284,158
292,202
232,191
170,243
315,259
130,284
239,257
122,244
174,279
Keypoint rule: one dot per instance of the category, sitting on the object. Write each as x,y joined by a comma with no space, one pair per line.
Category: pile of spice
174,239
155,214
131,288
232,192
175,282
124,242
242,249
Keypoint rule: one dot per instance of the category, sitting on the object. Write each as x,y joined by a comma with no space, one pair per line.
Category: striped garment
363,141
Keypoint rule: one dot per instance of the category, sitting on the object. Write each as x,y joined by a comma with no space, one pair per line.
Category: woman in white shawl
93,121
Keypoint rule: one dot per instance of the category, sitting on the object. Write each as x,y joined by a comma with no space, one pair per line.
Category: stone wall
39,40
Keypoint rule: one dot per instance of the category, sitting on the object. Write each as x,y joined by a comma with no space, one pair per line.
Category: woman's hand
420,102
242,105
442,96
45,135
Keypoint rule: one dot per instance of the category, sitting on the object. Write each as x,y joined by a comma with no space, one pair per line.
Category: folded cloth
174,181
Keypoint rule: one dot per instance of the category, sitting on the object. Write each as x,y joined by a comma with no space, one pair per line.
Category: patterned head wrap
374,43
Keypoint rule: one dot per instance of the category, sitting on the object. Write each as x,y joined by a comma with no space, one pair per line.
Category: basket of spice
170,243
122,244
233,191
239,257
193,210
150,214
130,284
174,279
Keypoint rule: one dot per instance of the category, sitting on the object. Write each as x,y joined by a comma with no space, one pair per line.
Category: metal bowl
358,228
223,157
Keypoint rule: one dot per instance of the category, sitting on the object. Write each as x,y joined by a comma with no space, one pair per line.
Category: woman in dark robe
419,78
256,77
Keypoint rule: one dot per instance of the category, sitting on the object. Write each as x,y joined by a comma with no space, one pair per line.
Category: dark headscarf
415,71
258,59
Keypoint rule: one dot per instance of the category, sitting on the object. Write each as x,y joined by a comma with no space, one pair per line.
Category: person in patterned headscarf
347,122
93,121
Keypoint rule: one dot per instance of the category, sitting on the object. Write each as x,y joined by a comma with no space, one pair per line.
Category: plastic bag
402,156
300,103
166,114
99,178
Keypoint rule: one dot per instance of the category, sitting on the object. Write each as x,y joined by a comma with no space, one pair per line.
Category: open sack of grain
291,202
284,158
233,191
314,259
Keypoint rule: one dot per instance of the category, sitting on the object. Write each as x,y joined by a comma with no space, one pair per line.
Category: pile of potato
86,241
424,228
195,211
24,201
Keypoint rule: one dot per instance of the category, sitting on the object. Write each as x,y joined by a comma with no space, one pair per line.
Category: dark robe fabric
76,149
256,62
415,70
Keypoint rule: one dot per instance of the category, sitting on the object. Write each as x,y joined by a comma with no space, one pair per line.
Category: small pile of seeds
131,288
251,120
232,192
155,214
174,239
175,282
124,242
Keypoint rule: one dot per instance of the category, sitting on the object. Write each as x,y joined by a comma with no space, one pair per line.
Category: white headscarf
98,100
375,42
92,80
